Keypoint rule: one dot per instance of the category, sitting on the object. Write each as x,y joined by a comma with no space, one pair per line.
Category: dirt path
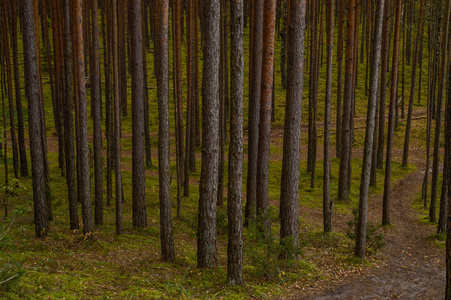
410,266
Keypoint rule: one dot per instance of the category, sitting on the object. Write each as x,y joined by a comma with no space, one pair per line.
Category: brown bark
360,248
391,116
206,235
32,92
264,129
289,197
162,34
138,149
234,203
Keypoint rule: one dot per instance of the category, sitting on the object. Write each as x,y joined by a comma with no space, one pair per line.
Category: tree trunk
234,203
289,197
20,122
264,129
138,149
327,203
164,170
83,156
96,98
347,106
383,84
32,92
341,9
391,116
360,248
254,111
206,236
438,119
416,54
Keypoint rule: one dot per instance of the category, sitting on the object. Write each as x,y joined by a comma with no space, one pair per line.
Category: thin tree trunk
83,156
254,111
36,147
264,130
20,122
327,203
138,138
383,84
416,54
234,203
341,9
360,249
164,170
391,116
347,106
96,98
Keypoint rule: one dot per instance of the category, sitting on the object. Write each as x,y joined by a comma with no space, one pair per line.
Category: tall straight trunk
83,156
360,249
189,76
222,98
96,98
341,11
234,203
448,163
206,233
177,11
416,54
196,74
20,122
383,84
391,115
117,118
283,49
289,197
164,170
347,106
32,92
438,119
327,203
10,90
313,91
264,128
254,111
52,71
69,120
146,90
138,149
42,118
122,53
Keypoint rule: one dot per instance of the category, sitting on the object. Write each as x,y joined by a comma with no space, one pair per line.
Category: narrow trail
410,267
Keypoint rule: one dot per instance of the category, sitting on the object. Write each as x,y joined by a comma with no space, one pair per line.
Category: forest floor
409,267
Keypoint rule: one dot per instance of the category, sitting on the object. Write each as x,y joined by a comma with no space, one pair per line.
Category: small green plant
269,257
374,236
